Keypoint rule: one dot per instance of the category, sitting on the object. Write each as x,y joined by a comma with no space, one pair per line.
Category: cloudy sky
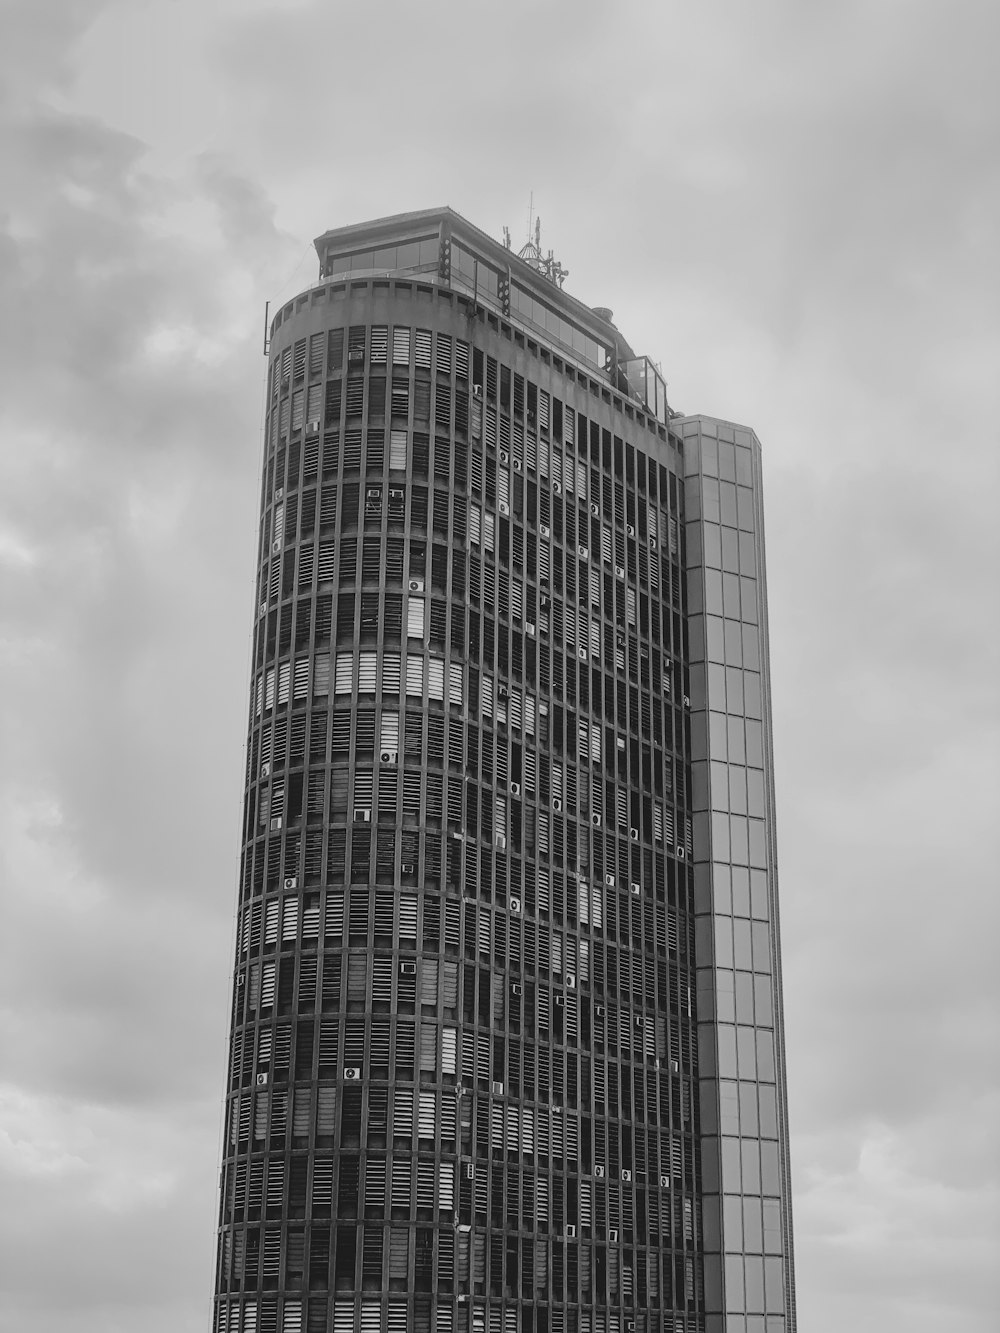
794,207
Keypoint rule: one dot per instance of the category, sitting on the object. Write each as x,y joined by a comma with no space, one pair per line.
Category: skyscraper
507,1047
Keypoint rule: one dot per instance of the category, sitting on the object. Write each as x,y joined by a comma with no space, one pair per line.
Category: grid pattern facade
464,1082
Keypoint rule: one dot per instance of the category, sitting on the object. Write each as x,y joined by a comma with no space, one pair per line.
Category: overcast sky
792,206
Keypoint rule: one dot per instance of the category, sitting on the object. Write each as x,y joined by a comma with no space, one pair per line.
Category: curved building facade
506,1034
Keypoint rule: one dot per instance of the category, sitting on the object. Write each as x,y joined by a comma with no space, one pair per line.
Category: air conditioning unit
389,757
627,1177
599,1010
504,508
595,509
501,842
497,1089
312,427
664,1182
621,742
362,814
261,1080
680,851
515,904
556,803
613,1236
640,1022
529,629
570,981
652,543
619,571
630,530
687,701
276,548
265,770
609,881
477,391
559,1001
355,356
556,488
634,834
415,585
515,988
599,1171
503,692
275,825
545,603
515,789
629,1326
407,969
582,654
407,868
292,882
262,609
595,819
675,1067
636,890
582,551
544,530
518,466
570,1231
352,1074
504,456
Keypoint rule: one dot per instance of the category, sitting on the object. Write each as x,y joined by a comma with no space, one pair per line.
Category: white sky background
794,207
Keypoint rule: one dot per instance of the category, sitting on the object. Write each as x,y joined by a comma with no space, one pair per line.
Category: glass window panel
755,744
741,943
717,685
768,1104
729,1109
732,1222
745,509
755,792
769,1169
753,1234
758,843
748,1108
761,947
755,1283
772,1227
734,643
731,596
738,852
734,1284
725,998
720,835
727,1050
720,785
744,997
709,453
751,651
732,1174
762,1001
714,593
748,591
750,1152
727,461
730,551
723,941
765,1056
734,690
744,465
713,545
746,1044
721,887
759,900
714,642
710,500
741,891
736,747
717,735
774,1289
727,503
737,790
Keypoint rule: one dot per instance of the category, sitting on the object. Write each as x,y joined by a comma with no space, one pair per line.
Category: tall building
507,1049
